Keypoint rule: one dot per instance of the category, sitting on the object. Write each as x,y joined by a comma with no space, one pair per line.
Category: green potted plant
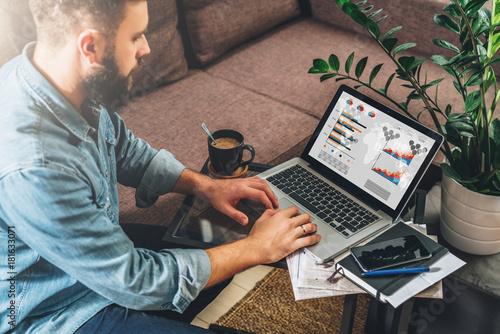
471,170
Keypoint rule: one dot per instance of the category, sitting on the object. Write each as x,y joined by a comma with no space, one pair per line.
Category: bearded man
74,268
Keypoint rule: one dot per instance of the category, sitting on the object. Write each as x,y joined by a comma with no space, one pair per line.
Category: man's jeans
117,319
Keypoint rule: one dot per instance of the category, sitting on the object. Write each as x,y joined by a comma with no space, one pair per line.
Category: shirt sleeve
55,215
153,173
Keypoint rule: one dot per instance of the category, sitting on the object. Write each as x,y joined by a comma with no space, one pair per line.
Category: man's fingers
306,229
268,213
238,216
262,185
307,241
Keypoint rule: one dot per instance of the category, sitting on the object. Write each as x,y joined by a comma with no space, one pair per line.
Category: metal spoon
208,132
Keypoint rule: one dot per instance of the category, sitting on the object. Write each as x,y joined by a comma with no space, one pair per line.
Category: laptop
357,172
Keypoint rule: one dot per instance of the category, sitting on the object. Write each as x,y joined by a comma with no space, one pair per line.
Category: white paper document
310,280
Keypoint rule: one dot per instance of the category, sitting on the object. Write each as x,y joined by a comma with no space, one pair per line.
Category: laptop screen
372,147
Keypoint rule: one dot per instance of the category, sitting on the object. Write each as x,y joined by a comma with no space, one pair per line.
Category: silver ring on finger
303,229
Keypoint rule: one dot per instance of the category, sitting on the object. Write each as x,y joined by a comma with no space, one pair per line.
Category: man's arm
55,215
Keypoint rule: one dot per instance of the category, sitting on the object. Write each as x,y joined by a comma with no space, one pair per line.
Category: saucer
240,172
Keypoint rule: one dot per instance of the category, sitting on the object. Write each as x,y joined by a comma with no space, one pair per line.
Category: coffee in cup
226,154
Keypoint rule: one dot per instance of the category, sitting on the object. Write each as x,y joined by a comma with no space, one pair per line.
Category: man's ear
91,45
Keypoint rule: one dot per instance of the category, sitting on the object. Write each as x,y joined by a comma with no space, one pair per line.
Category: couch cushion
17,28
416,17
166,62
279,63
216,26
171,116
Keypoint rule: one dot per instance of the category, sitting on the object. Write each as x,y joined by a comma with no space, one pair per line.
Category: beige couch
242,64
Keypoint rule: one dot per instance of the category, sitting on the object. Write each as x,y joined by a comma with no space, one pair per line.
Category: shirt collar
51,98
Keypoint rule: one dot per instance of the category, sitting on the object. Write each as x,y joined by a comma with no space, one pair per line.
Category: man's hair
57,20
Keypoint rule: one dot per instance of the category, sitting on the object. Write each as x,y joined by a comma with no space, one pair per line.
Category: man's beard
107,86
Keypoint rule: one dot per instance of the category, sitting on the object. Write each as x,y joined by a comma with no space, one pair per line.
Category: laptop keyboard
324,201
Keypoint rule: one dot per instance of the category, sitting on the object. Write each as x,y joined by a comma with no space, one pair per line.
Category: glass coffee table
198,225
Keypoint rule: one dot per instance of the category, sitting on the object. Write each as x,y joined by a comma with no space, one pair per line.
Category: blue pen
414,270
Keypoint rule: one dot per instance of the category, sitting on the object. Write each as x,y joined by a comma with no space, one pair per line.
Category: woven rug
270,307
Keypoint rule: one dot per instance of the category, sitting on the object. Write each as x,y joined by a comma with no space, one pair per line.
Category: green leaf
494,61
403,47
430,84
406,62
390,33
348,63
367,9
321,65
452,10
381,19
462,126
373,28
327,76
465,60
374,13
466,134
482,22
374,73
472,101
473,6
390,43
334,62
448,110
414,96
417,62
314,70
445,44
360,67
440,60
495,131
446,22
450,172
388,83
474,80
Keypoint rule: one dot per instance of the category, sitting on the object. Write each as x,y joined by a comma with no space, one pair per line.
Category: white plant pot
469,221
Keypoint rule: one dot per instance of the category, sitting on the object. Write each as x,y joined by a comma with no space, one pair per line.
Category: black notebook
381,286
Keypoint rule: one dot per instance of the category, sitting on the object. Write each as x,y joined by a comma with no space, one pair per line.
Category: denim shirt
64,255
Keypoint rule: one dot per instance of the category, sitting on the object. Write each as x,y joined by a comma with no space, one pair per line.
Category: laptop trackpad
284,203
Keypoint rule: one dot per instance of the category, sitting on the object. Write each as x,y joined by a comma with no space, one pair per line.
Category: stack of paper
310,280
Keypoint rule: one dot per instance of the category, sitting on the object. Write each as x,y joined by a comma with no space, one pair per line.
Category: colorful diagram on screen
404,157
371,114
404,152
394,177
349,102
360,107
345,130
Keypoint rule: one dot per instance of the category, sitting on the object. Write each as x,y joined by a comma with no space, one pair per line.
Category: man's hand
225,194
278,233
275,234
